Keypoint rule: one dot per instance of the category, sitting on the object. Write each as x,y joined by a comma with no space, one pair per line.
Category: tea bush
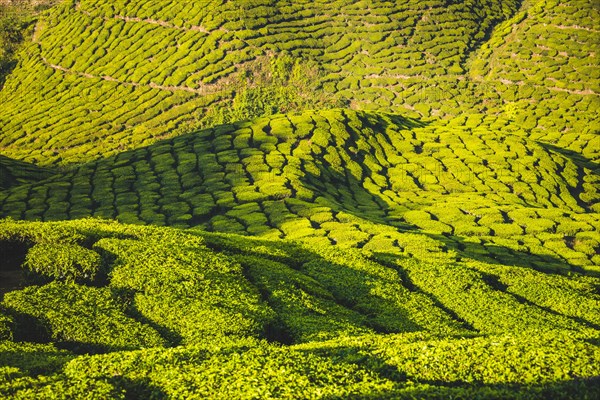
416,183
219,296
64,262
79,317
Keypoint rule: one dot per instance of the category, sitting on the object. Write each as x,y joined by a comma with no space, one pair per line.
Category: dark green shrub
64,262
194,293
6,327
80,317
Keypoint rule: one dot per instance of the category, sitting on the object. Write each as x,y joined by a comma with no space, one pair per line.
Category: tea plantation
300,199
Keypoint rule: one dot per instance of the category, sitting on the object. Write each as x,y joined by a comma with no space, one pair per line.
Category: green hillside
348,178
83,89
100,77
15,173
265,199
262,318
543,64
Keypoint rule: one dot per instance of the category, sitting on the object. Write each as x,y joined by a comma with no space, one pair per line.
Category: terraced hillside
543,64
302,199
102,77
89,86
262,318
344,177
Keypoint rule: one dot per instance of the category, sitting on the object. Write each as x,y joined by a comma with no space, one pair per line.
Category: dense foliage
269,318
16,19
299,199
349,178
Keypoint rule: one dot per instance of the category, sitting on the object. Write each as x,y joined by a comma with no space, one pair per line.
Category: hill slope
350,324
345,177
543,64
89,85
302,199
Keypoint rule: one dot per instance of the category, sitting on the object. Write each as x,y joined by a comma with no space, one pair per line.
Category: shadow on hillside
406,386
36,362
138,388
582,163
15,172
127,296
353,287
335,188
34,329
344,191
493,254
12,256
578,159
